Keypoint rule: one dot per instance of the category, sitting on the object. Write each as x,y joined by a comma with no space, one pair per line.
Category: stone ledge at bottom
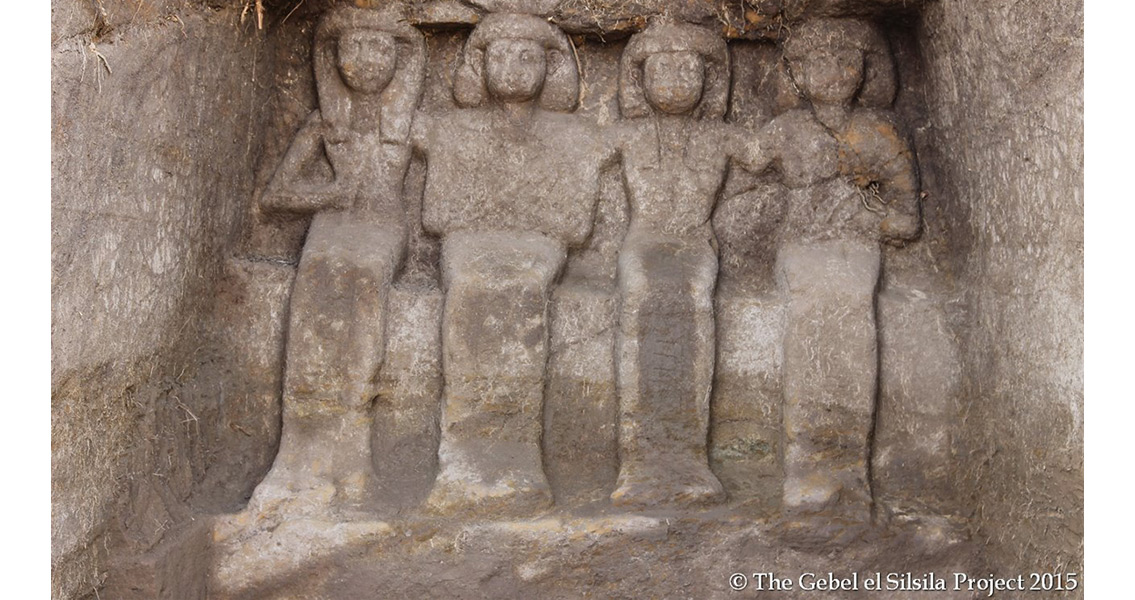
607,555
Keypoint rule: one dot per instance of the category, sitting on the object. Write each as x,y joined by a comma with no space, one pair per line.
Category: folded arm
880,162
287,191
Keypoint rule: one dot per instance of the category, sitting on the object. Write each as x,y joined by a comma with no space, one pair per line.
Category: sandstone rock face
144,197
1020,260
512,180
576,298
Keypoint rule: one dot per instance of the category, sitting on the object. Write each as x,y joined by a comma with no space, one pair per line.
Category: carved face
829,75
367,60
673,81
514,69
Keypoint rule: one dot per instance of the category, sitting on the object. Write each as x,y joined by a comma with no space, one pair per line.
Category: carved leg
336,341
830,376
665,354
494,349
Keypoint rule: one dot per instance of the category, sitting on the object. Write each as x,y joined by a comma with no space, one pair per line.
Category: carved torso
487,173
827,173
375,169
674,170
808,151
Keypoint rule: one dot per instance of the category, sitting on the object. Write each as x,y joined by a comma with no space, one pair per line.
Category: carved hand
334,135
754,151
305,199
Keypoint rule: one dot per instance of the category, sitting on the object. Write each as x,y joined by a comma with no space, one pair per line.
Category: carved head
674,68
367,59
366,55
673,81
515,69
838,61
517,58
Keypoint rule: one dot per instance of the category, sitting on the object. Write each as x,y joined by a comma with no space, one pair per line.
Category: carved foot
503,499
813,493
822,531
645,487
820,510
284,494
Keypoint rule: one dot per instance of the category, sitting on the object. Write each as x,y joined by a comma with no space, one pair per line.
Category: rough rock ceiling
751,19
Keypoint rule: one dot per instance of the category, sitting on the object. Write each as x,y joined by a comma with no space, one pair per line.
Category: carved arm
754,152
880,162
288,192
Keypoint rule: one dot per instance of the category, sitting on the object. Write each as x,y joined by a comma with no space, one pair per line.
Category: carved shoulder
626,133
878,158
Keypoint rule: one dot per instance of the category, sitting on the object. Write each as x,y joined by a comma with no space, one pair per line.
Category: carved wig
878,86
560,91
398,100
667,36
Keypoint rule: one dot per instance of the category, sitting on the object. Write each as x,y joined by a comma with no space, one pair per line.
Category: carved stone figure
851,183
673,90
519,191
511,182
369,71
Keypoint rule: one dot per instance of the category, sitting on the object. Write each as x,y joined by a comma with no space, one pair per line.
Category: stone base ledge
600,555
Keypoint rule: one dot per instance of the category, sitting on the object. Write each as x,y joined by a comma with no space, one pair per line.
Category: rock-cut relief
369,70
512,181
676,150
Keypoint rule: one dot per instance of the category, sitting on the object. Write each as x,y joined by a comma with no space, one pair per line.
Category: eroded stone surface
989,91
251,560
369,71
851,182
512,180
610,555
1019,262
559,345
